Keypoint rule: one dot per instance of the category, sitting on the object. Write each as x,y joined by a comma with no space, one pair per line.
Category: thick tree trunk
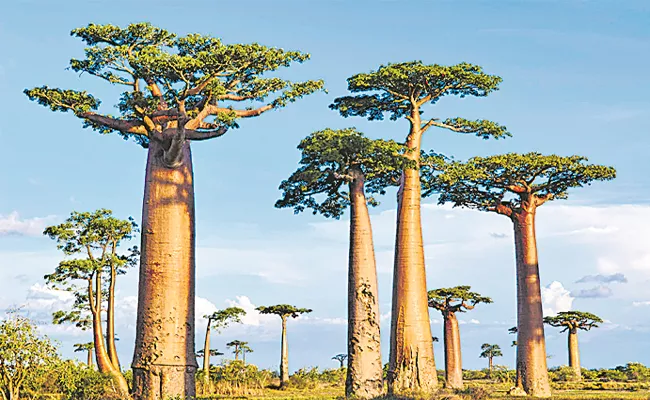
412,367
110,322
364,374
206,357
89,361
284,356
532,373
164,362
104,363
574,355
453,360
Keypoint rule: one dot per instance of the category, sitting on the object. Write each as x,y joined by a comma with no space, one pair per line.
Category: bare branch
122,125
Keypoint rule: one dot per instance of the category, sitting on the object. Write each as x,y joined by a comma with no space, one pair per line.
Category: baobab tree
332,160
245,349
490,351
88,348
341,359
515,185
571,321
213,353
92,237
401,91
237,347
284,311
178,90
450,301
218,320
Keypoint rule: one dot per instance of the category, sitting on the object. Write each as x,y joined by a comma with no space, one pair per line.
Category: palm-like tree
490,351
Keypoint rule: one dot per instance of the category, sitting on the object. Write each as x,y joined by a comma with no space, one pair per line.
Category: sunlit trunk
89,361
491,365
531,347
574,355
164,362
110,322
411,367
284,357
206,356
364,374
453,360
104,363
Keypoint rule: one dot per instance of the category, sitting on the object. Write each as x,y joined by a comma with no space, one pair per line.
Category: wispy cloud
613,278
12,224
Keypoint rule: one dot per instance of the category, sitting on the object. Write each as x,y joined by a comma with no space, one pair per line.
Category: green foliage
233,377
312,378
503,374
220,319
22,352
488,183
455,299
95,238
174,81
237,346
562,374
213,353
573,320
334,158
83,346
283,310
490,351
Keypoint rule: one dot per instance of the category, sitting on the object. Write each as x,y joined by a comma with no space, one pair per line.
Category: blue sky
574,82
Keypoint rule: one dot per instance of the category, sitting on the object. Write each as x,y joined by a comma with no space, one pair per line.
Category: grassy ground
496,392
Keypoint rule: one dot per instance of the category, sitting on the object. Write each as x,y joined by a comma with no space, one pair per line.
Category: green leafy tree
88,348
490,351
450,301
401,91
341,359
22,352
90,241
284,311
237,347
177,90
245,349
338,168
515,185
572,321
213,353
218,320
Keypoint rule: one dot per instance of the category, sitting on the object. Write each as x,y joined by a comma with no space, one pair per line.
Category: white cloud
12,224
640,303
556,298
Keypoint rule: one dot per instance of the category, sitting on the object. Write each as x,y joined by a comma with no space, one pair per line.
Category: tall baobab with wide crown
401,91
218,321
516,185
450,301
331,161
571,322
284,311
177,90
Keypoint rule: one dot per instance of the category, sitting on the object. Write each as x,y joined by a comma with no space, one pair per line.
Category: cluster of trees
183,89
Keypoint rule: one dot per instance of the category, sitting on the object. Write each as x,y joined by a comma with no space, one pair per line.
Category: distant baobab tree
490,351
284,311
218,320
401,91
572,321
175,90
245,349
340,358
516,185
88,348
237,347
450,301
343,169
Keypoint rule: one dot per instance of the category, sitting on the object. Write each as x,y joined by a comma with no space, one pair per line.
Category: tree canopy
175,84
455,299
330,159
397,90
573,320
490,350
83,346
222,318
283,310
213,353
94,237
500,183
